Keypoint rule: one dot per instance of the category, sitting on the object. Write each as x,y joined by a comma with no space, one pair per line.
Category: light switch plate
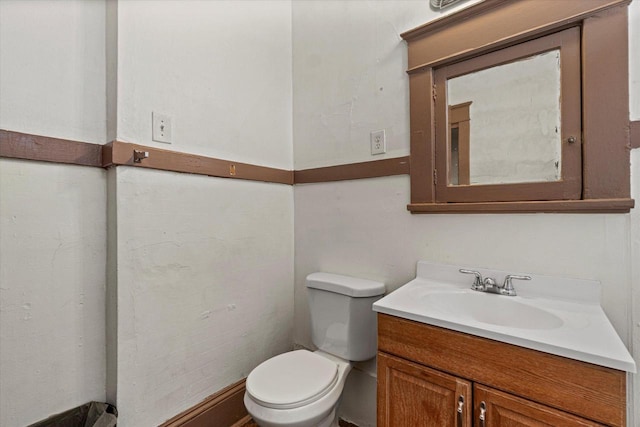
161,128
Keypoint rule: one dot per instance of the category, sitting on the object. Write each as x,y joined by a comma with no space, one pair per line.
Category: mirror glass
504,123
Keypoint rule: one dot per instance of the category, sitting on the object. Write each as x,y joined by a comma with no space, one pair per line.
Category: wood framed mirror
482,164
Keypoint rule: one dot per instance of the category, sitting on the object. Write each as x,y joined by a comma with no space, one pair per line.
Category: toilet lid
291,380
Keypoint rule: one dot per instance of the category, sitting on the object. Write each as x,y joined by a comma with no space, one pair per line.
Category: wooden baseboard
222,409
243,421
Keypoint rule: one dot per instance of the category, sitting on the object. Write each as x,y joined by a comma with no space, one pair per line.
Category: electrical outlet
378,142
161,128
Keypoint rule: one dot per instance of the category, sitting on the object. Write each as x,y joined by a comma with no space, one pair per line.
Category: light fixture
441,4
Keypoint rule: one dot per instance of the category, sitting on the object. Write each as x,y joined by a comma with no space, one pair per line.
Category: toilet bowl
296,389
303,388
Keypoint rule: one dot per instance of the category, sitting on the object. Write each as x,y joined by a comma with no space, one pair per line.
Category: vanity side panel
580,388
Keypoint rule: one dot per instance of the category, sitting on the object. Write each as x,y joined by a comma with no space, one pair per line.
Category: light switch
161,128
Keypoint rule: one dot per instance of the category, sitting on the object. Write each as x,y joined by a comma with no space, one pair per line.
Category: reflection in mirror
505,123
459,144
454,177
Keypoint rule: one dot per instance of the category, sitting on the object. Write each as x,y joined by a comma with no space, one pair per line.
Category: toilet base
268,420
321,413
330,421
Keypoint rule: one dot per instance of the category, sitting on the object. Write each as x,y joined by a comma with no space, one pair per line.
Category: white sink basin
556,315
492,309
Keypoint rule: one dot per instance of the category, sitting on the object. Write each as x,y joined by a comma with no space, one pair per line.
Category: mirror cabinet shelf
519,109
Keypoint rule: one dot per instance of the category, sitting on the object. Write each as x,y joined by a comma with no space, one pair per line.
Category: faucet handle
477,283
507,286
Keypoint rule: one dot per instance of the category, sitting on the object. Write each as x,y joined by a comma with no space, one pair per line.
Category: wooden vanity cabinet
414,395
431,376
505,410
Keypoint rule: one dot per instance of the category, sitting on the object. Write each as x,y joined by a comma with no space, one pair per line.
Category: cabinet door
493,408
411,395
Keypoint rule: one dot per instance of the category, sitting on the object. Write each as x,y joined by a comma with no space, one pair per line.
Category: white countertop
573,324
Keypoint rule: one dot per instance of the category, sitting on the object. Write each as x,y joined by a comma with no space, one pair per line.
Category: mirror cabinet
517,108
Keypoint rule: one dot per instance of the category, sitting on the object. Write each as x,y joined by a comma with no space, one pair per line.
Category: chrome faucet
507,286
490,285
478,285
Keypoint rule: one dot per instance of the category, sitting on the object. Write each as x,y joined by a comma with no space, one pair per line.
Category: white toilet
302,388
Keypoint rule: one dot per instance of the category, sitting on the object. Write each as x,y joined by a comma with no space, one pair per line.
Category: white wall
52,275
349,77
52,68
220,69
204,287
202,268
362,227
52,217
52,248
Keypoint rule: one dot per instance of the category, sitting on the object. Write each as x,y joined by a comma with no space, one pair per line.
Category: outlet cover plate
378,142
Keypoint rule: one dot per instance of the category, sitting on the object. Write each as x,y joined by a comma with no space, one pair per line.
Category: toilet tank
342,320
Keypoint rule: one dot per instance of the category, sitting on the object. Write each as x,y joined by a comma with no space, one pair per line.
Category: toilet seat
292,380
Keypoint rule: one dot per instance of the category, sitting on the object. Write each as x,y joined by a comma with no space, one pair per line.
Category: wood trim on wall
634,140
42,148
422,142
547,206
122,154
224,408
16,145
493,24
372,169
605,94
